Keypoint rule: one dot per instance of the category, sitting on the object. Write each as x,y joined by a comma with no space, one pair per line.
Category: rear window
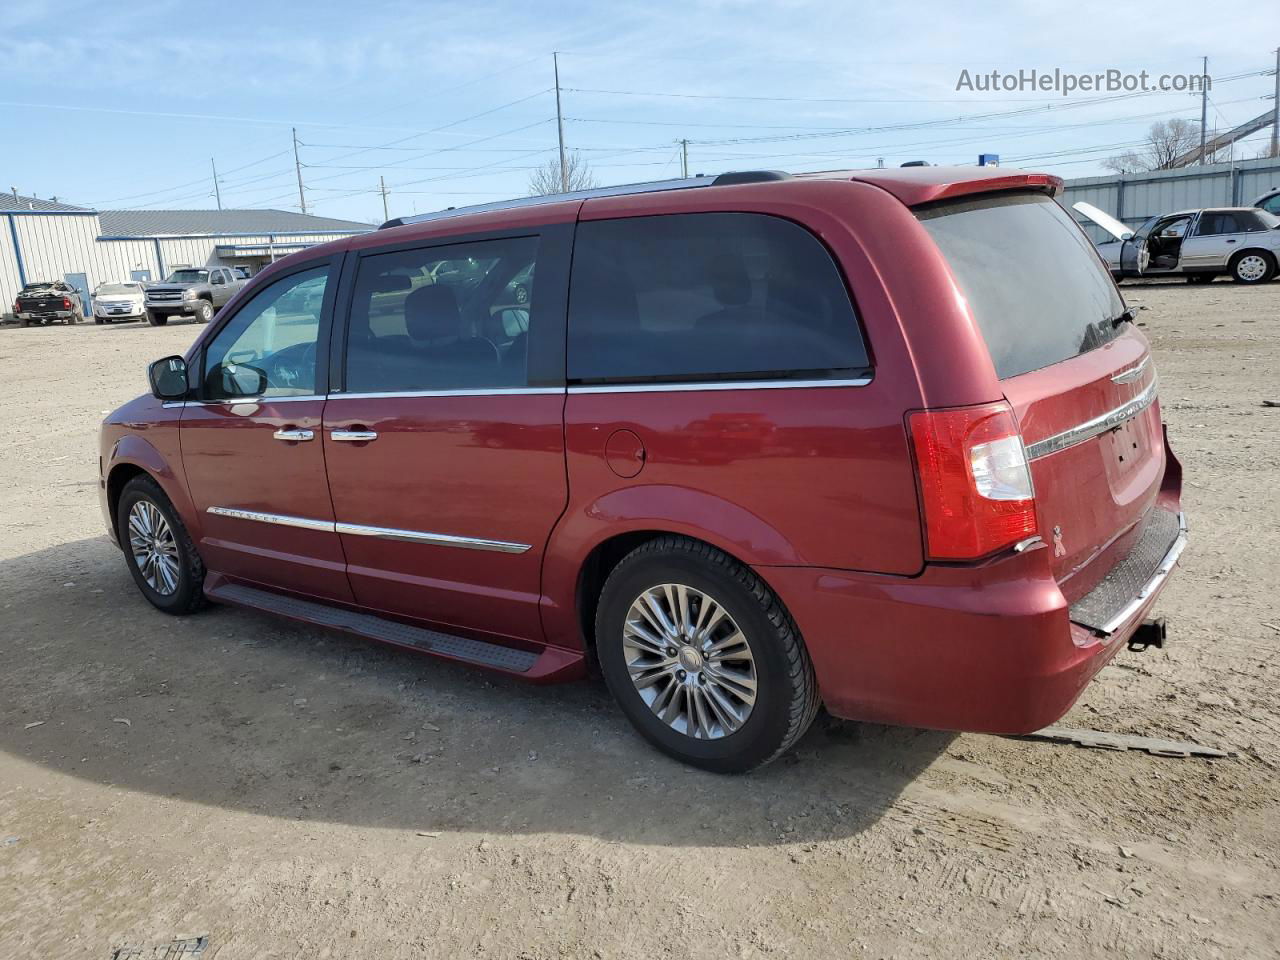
707,296
1033,281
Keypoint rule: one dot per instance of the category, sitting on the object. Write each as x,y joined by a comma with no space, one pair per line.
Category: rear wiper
1126,317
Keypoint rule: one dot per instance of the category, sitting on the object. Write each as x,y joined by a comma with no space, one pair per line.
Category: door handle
1230,241
354,436
293,434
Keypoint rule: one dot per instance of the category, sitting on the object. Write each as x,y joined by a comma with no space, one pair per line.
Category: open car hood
1104,220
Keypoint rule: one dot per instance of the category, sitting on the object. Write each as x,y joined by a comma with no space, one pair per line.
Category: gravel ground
292,793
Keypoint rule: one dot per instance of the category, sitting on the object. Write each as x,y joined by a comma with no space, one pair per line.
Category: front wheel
156,319
702,657
204,311
1253,266
158,550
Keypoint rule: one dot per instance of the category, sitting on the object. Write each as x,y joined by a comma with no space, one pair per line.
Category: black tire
1245,259
188,595
787,692
204,311
1201,278
24,323
99,321
156,319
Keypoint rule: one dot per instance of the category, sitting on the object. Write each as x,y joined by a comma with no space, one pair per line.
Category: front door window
268,349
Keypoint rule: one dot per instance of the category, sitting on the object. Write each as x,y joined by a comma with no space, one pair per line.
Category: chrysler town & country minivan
885,442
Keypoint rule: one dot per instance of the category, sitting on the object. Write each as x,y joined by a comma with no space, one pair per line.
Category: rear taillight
66,304
974,480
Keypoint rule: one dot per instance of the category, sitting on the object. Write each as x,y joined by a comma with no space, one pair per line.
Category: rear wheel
1253,266
702,657
158,550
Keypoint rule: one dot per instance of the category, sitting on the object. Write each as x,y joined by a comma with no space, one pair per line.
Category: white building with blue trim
48,240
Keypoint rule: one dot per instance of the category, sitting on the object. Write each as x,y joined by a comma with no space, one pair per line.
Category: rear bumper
987,648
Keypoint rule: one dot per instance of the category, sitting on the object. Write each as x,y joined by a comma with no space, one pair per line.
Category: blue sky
122,105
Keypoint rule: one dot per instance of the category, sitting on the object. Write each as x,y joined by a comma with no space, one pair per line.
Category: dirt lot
292,793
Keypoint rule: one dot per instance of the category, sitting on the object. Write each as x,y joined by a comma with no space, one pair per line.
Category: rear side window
442,318
1032,279
707,296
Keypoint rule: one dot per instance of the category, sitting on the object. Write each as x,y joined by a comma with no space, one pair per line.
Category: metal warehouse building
46,240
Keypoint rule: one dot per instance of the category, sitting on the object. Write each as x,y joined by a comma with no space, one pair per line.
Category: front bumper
46,315
126,314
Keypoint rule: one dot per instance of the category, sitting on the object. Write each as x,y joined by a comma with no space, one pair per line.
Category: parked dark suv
882,441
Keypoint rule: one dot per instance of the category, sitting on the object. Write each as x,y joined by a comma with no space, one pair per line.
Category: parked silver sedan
1240,242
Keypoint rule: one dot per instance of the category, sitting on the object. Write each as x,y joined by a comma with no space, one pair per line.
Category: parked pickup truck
191,291
46,301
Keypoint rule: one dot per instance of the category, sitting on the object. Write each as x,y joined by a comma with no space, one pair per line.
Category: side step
376,628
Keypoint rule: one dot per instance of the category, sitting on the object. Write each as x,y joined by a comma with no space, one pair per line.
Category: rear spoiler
920,185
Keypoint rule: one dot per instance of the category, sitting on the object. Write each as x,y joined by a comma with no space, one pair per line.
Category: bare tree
1167,140
546,179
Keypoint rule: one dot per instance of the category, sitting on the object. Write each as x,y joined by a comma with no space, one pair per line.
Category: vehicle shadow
238,710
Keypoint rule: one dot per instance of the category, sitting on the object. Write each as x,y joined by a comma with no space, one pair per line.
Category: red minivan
882,441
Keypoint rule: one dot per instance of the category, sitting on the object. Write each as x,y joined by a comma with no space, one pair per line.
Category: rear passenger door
1213,241
444,439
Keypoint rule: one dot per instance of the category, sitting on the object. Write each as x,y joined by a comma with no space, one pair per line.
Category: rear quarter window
1033,281
707,296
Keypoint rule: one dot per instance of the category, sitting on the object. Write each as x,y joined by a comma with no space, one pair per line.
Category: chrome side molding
363,530
1092,428
305,523
436,539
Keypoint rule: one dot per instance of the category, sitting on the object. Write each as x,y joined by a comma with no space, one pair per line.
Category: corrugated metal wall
1136,197
55,245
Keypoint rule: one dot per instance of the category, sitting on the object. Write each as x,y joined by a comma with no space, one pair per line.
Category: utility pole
1204,106
564,168
382,188
684,158
1275,112
297,166
216,192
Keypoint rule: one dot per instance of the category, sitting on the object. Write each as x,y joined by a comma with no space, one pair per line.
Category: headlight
188,294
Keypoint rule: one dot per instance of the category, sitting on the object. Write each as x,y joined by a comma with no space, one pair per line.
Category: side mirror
234,380
168,378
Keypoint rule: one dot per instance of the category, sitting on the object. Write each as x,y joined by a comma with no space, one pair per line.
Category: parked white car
1270,201
1240,242
125,300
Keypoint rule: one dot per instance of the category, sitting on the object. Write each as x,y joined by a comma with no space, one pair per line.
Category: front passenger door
251,446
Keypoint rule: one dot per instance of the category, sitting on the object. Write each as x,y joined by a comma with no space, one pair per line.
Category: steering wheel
283,371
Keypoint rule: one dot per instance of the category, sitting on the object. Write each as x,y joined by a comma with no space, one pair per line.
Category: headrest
431,312
729,280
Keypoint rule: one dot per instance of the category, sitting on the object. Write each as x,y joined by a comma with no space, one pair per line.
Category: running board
374,627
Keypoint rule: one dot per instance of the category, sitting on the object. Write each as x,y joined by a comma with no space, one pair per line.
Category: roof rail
621,190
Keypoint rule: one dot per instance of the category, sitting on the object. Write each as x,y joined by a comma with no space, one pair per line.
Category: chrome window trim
243,400
718,385
435,539
1092,428
1134,372
1157,580
462,392
305,523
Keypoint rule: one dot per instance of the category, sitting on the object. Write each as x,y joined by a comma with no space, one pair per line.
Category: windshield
188,276
1033,281
119,288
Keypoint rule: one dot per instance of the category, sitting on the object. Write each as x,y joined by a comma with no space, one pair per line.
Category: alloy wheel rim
154,549
1252,268
689,661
